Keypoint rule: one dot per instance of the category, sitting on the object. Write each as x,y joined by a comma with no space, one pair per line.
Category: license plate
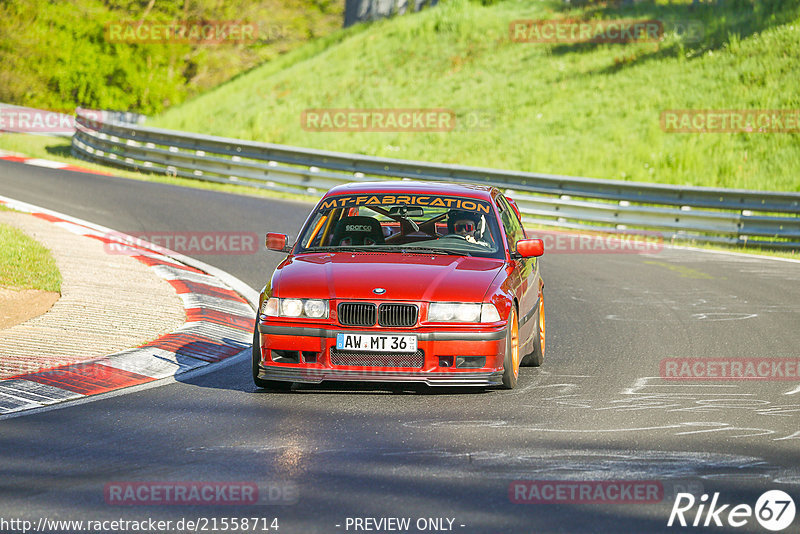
376,342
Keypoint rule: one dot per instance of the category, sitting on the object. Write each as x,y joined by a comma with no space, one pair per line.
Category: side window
513,228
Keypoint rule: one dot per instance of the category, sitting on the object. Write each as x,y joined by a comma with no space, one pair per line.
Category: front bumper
435,344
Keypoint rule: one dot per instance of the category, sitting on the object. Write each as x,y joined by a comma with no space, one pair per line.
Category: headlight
308,308
291,307
316,308
468,313
442,311
462,312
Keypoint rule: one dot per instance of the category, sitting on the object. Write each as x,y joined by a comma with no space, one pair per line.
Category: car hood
404,277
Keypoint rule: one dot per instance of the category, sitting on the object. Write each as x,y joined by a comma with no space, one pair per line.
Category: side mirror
277,242
530,248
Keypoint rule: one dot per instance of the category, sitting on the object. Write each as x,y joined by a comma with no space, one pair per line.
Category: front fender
500,294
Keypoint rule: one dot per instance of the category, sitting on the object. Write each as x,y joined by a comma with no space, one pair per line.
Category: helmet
457,215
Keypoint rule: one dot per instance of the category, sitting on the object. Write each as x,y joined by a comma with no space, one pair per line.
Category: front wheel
259,382
536,357
511,360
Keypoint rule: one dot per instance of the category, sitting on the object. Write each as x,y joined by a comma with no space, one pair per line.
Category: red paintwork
419,278
409,186
494,350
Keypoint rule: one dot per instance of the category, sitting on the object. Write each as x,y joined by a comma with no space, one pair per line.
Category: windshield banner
475,205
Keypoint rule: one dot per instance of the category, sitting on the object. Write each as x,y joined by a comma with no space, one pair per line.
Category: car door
525,273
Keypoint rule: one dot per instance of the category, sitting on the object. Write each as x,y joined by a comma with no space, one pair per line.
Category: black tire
276,385
536,357
511,362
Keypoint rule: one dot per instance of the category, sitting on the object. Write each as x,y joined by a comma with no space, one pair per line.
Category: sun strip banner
474,205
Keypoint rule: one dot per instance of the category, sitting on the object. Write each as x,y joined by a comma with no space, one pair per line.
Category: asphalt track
596,410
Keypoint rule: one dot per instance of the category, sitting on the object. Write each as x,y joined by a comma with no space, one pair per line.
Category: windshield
424,224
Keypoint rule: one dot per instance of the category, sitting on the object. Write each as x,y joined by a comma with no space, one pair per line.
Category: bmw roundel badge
379,291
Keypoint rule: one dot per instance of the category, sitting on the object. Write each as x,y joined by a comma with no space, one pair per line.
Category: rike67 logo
774,510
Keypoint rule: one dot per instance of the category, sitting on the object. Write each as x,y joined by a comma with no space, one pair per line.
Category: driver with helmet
467,225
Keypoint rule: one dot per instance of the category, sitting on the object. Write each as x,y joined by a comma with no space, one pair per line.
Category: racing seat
357,231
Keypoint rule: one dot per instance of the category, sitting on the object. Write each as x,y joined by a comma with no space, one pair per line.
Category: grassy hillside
578,109
56,55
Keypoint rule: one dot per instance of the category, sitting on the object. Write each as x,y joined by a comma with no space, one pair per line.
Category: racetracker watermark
182,32
686,30
211,243
379,120
586,31
765,369
731,121
95,370
199,493
625,242
39,121
586,492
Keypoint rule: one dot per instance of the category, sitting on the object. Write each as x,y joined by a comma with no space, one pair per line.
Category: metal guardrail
706,214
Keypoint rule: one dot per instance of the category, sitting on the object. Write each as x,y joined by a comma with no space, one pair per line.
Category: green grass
55,55
574,109
25,263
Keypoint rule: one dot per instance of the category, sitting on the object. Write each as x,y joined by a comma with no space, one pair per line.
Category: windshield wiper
352,248
431,250
402,249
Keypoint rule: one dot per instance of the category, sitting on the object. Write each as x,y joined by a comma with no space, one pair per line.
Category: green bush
56,56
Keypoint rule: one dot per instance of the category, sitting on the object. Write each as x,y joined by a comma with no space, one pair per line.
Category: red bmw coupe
403,282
